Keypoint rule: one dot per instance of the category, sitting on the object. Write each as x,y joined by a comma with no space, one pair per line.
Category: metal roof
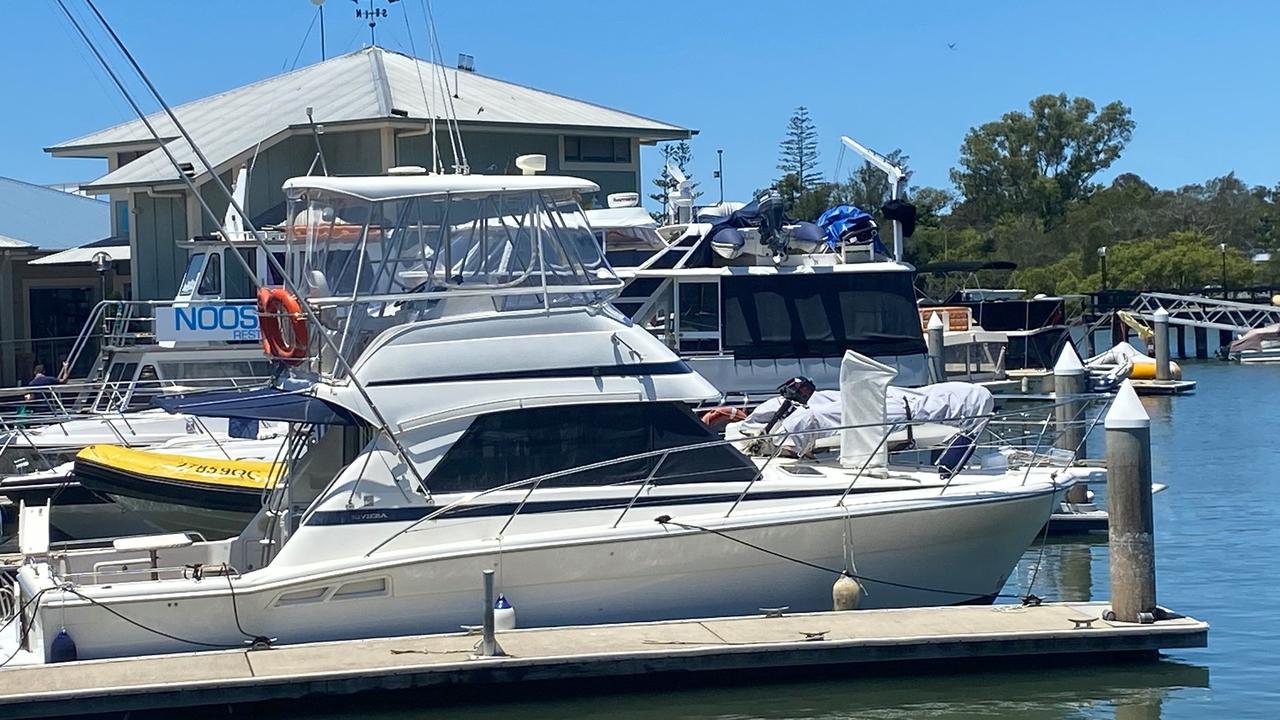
37,216
117,248
398,186
361,86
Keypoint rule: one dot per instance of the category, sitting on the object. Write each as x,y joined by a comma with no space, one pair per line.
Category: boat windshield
537,241
366,264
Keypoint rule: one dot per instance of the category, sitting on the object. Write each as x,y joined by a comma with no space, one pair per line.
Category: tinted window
589,148
239,283
211,281
514,445
820,315
194,265
147,387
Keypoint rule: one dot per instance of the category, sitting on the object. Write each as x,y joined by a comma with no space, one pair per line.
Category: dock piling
1069,378
1160,339
489,641
1202,342
1131,533
936,343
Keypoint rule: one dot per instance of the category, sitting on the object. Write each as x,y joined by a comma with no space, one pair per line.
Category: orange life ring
719,416
277,309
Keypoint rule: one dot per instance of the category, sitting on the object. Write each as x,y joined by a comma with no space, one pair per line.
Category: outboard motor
771,221
795,391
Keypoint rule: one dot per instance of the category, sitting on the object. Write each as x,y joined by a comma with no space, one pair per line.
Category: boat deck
435,665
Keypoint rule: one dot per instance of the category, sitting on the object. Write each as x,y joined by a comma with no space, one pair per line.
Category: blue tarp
847,221
264,403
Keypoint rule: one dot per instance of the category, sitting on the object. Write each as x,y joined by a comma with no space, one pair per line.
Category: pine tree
798,152
679,154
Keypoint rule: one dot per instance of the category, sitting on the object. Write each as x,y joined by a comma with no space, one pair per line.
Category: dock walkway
572,653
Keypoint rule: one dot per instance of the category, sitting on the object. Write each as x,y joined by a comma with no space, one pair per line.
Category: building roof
117,248
390,187
38,216
369,84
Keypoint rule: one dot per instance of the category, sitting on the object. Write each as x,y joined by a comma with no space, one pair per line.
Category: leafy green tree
798,154
1041,161
679,154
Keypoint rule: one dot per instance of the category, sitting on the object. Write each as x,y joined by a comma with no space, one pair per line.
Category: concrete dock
861,638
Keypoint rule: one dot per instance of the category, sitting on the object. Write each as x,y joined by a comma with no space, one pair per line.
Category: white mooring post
936,343
1069,380
1131,534
1160,340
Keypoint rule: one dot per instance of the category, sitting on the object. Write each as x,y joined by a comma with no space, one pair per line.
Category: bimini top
392,187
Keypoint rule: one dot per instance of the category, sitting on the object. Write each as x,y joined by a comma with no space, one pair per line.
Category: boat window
147,387
119,376
221,373
820,315
211,281
700,307
240,283
189,279
361,588
298,597
513,445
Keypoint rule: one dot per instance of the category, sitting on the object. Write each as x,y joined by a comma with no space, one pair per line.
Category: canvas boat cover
1253,339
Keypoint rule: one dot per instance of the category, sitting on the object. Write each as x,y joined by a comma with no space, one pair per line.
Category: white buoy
846,594
504,616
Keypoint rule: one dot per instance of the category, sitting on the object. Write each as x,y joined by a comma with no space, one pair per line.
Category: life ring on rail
721,416
281,324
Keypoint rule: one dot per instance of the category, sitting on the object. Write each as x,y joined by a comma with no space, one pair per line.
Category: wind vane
372,14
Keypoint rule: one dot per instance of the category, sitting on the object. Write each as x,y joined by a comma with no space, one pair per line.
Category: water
1218,533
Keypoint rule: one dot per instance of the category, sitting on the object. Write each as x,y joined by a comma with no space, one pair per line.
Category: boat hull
929,555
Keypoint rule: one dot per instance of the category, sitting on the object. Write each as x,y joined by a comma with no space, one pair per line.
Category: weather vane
372,14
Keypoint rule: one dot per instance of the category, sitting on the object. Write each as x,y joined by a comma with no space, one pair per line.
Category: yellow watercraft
178,492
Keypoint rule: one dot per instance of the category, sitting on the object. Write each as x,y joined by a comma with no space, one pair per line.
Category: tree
1040,162
679,154
798,154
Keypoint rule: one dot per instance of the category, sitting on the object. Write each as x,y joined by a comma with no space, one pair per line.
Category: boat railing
82,399
1031,445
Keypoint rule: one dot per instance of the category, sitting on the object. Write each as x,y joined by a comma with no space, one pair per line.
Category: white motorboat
465,398
1258,346
749,297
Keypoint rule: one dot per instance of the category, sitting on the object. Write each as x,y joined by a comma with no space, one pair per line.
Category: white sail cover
864,384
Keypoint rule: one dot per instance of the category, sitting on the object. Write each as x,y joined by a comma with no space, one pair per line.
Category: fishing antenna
316,132
252,228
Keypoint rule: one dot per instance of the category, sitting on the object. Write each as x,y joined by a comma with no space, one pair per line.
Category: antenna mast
371,14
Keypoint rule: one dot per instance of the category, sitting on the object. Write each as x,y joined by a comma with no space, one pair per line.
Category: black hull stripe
533,507
675,367
108,480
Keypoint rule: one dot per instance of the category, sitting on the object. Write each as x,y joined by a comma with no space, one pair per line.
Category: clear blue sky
1199,76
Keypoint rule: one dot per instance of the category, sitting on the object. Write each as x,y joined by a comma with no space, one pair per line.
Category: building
43,306
367,111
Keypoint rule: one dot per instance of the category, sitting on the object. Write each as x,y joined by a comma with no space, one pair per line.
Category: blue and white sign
207,322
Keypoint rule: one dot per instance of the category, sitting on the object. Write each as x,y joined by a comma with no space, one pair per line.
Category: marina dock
431,663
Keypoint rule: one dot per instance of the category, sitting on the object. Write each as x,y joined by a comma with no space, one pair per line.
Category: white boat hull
933,554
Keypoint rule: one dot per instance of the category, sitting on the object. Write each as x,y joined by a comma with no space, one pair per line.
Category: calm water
1218,530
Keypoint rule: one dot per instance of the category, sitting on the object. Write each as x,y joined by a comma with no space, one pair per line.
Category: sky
1199,77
